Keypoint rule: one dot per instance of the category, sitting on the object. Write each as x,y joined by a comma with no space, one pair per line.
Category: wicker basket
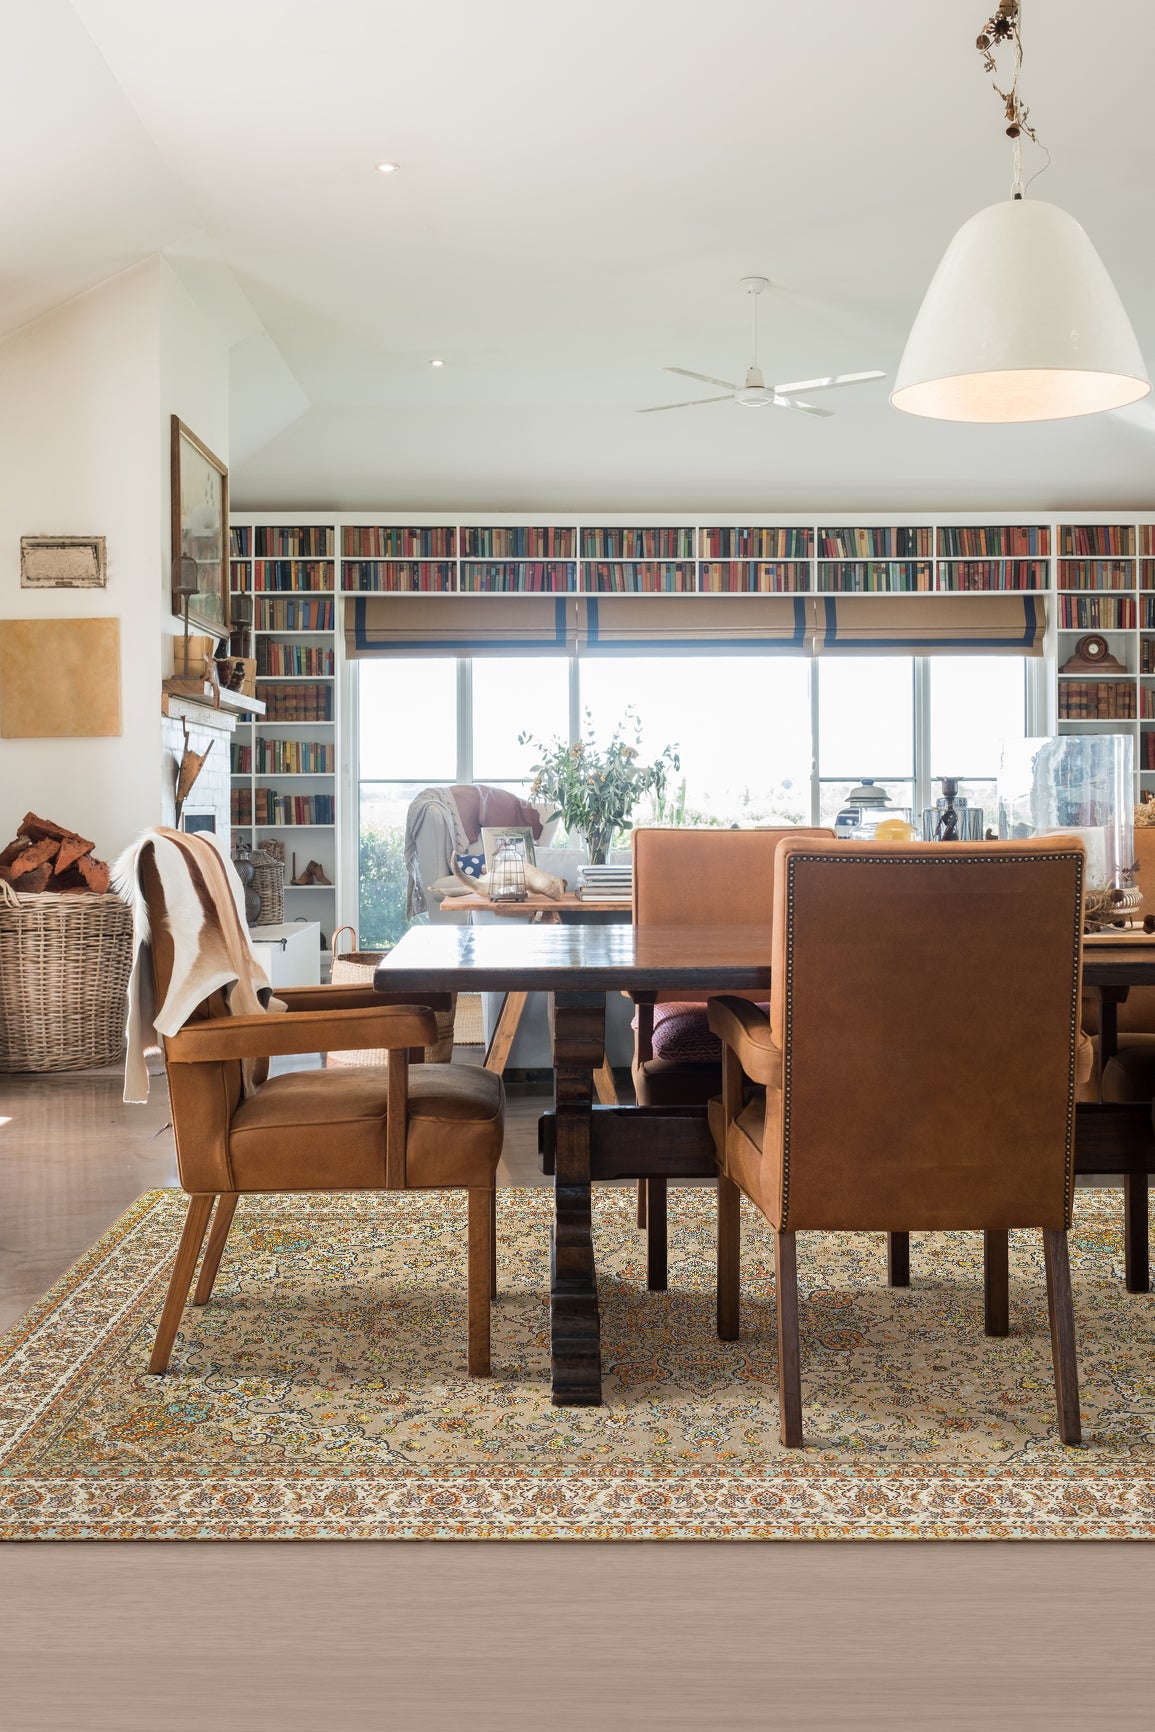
356,968
269,884
64,967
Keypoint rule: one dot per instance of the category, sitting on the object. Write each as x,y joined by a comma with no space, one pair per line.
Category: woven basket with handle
356,968
64,967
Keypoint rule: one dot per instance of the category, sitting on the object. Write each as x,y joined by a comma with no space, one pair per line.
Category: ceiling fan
755,393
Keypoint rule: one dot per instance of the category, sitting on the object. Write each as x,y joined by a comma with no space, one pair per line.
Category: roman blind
926,625
627,625
460,625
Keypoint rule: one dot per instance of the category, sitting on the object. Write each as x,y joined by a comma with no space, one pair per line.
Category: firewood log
95,873
71,848
33,857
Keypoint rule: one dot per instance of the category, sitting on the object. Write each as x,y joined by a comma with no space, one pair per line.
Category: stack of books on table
606,883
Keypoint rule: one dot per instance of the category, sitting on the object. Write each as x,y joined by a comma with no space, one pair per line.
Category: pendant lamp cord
1005,25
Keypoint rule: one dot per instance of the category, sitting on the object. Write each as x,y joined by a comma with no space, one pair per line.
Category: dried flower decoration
1002,27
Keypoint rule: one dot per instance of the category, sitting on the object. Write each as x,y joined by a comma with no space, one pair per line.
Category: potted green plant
594,789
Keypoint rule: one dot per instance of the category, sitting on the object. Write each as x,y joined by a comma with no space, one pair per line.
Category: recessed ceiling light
388,167
437,363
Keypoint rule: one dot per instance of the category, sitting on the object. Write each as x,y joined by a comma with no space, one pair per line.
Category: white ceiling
581,186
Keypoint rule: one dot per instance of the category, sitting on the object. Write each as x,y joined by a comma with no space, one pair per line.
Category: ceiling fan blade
692,404
825,384
706,378
781,402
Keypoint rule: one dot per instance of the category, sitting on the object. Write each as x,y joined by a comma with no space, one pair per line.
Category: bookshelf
1096,574
284,763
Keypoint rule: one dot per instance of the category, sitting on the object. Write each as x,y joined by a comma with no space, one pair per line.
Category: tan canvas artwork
59,678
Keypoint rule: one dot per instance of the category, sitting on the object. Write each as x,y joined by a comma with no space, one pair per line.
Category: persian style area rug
322,1393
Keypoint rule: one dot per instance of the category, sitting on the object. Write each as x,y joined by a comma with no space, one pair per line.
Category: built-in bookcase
284,763
1095,575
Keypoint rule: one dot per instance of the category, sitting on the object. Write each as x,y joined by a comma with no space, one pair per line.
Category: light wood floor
307,1637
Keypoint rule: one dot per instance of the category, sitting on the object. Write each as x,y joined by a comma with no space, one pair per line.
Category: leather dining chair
691,878
404,1126
889,1087
695,878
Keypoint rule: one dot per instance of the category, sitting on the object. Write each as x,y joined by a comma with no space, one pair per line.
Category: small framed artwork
62,562
492,835
200,530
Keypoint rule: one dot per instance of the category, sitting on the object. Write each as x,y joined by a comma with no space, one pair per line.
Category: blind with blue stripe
665,625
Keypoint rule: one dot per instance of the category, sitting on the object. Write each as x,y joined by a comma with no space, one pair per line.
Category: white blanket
205,914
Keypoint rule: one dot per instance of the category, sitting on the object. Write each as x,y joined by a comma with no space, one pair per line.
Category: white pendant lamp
1021,321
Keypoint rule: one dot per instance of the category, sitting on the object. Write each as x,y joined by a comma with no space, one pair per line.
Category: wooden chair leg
641,1202
657,1257
898,1259
789,1359
493,1244
729,1257
996,1281
199,1209
1135,1248
480,1276
1061,1310
214,1250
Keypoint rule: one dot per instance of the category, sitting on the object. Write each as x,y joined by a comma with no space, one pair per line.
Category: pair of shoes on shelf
314,873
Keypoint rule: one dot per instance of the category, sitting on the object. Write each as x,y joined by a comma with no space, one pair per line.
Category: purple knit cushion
682,1032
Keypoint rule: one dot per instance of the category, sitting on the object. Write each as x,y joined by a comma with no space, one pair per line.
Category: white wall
85,398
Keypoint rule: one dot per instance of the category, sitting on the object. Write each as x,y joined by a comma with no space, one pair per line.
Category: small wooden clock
1092,654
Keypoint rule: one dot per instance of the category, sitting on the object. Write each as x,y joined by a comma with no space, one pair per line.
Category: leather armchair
405,1126
889,1087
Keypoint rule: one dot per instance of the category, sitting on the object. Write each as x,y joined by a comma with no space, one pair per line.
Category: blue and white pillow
473,865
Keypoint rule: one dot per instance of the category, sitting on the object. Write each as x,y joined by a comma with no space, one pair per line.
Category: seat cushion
324,1130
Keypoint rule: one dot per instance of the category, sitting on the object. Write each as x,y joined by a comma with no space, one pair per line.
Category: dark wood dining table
576,966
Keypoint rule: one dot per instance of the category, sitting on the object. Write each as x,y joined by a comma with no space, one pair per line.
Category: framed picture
200,531
62,562
491,835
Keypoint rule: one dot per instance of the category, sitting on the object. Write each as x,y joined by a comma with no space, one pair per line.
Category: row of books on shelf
283,758
1096,574
298,703
285,574
284,811
527,577
1147,750
721,541
281,541
1096,700
1096,613
875,576
1105,538
276,615
275,658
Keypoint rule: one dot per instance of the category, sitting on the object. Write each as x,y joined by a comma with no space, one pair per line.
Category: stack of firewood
46,856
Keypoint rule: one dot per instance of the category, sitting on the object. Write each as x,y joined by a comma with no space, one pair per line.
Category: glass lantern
1078,785
507,873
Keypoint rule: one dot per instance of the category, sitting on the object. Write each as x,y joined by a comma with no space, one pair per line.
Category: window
762,739
741,725
865,729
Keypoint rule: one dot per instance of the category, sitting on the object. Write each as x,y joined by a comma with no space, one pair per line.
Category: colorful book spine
527,577
398,541
295,615
637,577
896,543
759,542
1096,574
875,577
964,575
1098,613
271,807
276,659
504,541
993,540
753,577
309,541
397,576
1089,539
291,574
637,544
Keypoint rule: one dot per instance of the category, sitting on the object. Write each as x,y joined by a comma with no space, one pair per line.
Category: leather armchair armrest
745,1029
268,1036
330,998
